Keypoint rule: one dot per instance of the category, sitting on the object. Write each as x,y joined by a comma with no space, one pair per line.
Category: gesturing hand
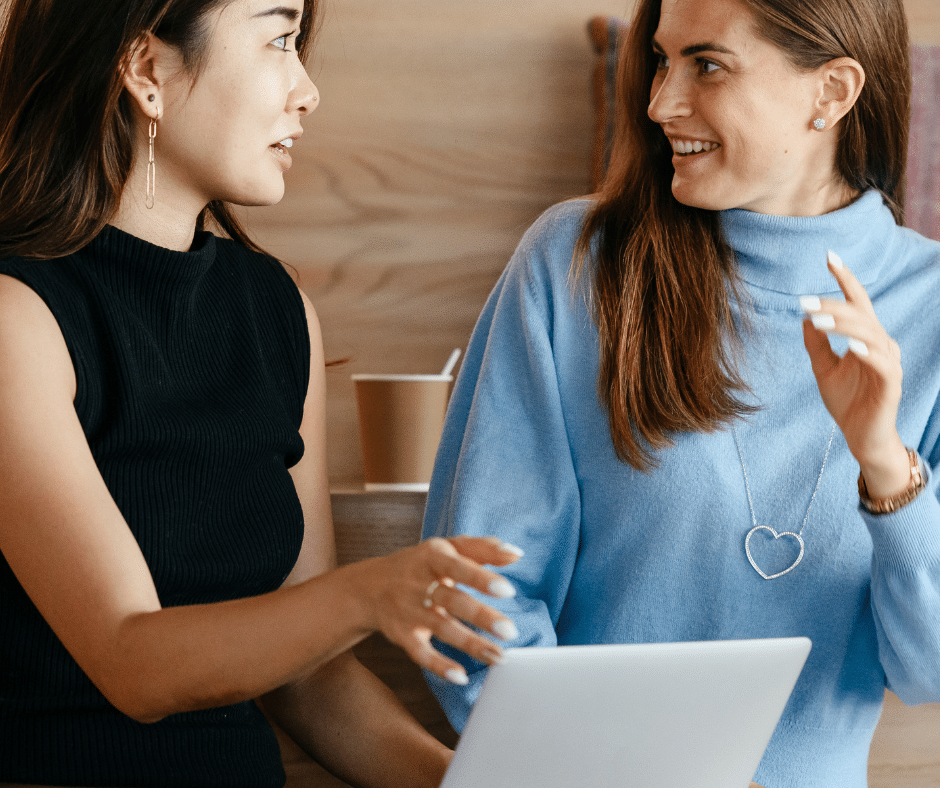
414,596
861,389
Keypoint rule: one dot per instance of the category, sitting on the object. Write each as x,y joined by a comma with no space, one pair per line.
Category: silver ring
428,602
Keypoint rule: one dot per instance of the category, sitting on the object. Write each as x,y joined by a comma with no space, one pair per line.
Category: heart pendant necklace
798,536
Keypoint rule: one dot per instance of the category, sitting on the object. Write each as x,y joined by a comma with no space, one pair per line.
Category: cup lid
380,377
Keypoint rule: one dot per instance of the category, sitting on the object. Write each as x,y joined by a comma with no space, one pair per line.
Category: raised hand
861,389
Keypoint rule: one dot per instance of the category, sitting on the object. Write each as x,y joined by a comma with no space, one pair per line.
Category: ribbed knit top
191,371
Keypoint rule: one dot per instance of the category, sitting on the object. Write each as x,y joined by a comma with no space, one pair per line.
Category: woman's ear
150,66
840,84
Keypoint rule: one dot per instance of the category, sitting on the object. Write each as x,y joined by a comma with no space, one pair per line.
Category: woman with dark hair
167,547
689,411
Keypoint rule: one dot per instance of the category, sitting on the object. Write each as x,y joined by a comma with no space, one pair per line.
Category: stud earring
819,124
151,97
151,162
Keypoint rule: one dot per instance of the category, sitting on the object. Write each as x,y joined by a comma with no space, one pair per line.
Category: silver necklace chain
798,535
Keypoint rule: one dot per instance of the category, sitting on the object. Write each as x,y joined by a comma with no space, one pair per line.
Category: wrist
883,504
345,592
886,473
357,584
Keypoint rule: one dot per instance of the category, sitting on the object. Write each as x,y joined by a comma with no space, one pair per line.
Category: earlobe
840,84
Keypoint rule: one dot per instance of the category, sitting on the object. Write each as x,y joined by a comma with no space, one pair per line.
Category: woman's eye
662,62
281,42
708,67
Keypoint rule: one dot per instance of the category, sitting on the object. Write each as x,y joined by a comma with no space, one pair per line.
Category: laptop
657,715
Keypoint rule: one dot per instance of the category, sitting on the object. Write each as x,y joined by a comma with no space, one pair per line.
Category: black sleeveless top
192,370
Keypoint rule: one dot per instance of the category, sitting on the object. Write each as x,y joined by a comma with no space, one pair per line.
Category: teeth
288,143
692,146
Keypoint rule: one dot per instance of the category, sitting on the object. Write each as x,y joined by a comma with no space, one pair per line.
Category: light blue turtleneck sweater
614,555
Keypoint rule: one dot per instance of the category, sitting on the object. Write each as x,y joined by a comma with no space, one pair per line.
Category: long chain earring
151,163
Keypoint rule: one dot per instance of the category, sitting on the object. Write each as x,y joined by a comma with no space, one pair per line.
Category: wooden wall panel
444,129
923,16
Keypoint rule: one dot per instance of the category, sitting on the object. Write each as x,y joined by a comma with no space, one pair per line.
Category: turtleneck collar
787,254
120,248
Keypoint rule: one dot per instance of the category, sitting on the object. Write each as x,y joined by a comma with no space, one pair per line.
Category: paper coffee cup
401,418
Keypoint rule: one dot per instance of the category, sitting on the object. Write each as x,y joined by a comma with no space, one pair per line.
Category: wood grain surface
444,129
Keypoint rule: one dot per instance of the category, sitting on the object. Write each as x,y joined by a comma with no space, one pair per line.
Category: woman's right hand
413,595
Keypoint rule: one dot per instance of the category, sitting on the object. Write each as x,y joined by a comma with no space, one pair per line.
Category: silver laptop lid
661,715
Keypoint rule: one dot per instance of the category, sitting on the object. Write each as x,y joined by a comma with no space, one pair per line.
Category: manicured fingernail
810,303
512,549
858,347
822,321
458,676
505,629
502,589
834,260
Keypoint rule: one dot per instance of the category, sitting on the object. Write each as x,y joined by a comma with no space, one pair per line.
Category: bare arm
352,724
72,551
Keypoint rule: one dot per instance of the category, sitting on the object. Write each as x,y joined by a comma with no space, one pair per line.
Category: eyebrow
290,14
696,49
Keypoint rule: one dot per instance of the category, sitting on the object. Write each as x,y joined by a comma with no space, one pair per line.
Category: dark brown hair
663,275
66,123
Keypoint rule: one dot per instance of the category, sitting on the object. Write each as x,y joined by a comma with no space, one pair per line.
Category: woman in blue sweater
684,397
167,548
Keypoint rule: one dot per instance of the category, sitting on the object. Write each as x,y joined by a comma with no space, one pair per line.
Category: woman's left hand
861,389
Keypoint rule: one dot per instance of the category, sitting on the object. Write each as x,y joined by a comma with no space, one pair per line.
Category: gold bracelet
884,505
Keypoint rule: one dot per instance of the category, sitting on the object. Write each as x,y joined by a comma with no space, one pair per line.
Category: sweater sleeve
504,465
905,589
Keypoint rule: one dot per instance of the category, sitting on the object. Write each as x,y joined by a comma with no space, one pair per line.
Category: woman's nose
667,100
304,96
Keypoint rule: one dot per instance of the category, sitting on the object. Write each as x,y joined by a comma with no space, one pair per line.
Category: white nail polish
823,322
502,589
858,347
505,629
512,549
457,676
810,303
834,260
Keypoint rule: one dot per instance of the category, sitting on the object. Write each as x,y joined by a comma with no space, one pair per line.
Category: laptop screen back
662,715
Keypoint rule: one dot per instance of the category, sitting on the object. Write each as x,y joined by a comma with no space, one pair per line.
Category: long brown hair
66,123
663,275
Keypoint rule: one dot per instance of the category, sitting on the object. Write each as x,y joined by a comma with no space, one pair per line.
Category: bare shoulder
32,347
313,321
313,328
18,300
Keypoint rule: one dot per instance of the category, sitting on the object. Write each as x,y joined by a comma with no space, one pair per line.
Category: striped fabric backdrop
923,162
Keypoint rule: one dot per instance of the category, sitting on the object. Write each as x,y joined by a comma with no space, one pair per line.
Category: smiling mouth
691,147
284,145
